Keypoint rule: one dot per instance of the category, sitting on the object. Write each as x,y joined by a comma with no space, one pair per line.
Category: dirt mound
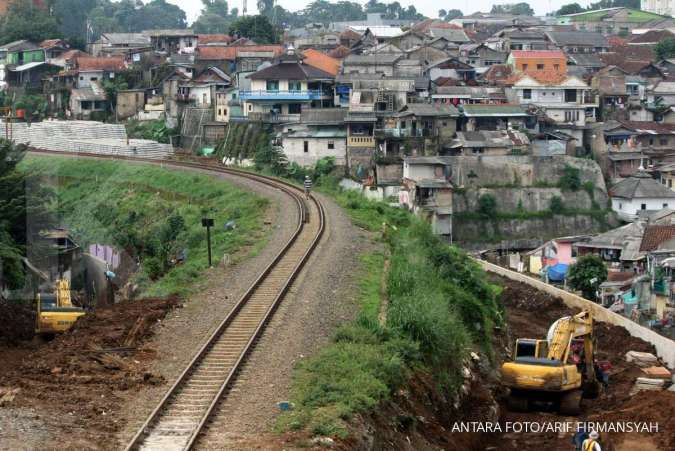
83,373
18,321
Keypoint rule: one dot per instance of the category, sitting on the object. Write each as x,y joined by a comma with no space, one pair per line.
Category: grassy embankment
440,307
153,214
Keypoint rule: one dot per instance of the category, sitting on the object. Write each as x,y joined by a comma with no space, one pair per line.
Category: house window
272,85
250,107
294,85
224,111
331,144
220,112
524,66
294,108
643,206
651,141
540,67
556,66
665,205
570,95
663,141
93,79
305,146
620,206
527,93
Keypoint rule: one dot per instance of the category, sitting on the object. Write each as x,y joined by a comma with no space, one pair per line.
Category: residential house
566,101
552,143
553,252
619,248
89,102
489,143
287,87
235,58
202,90
655,139
578,41
453,35
528,61
610,84
637,193
22,52
451,68
408,40
418,126
54,48
306,144
623,156
495,117
426,54
509,39
666,174
609,21
129,102
427,191
383,95
584,63
466,95
228,105
172,41
379,63
480,55
96,70
661,7
120,44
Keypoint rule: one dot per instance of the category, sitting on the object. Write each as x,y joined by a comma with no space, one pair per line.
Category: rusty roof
231,52
321,61
108,64
655,235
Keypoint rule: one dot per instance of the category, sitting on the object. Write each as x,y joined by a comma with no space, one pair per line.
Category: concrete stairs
85,137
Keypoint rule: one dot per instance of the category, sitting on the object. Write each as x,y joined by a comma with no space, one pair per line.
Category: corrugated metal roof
641,186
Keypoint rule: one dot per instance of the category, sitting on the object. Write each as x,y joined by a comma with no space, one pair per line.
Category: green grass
440,307
130,206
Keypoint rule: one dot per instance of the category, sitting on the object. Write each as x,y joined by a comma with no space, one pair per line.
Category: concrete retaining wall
665,347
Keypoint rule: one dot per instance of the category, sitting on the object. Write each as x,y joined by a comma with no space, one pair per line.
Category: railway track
180,417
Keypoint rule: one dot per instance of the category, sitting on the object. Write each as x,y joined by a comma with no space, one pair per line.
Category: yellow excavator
556,370
56,312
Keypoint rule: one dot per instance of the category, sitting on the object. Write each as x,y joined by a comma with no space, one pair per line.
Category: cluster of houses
395,102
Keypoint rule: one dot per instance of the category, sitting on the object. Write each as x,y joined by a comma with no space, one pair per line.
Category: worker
591,443
308,186
579,436
601,375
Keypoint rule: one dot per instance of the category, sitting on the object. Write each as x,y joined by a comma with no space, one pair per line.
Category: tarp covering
557,273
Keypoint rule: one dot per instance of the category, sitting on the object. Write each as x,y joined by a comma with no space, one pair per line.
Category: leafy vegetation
571,179
587,274
520,9
153,214
23,203
154,130
439,306
665,48
487,205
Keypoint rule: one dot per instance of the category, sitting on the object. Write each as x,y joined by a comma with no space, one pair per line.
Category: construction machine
55,311
556,370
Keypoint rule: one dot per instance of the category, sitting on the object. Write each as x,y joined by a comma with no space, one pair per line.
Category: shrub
571,179
556,206
487,205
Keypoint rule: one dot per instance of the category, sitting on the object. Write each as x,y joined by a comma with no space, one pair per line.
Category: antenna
243,9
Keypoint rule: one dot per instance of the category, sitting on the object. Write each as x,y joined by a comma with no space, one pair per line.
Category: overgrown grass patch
440,306
153,214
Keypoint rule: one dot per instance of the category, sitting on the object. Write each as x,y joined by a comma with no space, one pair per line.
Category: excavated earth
421,416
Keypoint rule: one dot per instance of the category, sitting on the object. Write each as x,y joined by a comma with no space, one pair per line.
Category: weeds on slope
440,306
152,214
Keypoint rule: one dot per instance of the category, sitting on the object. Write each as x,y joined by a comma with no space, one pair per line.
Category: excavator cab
55,311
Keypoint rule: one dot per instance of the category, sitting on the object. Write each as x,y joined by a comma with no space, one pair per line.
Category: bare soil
72,386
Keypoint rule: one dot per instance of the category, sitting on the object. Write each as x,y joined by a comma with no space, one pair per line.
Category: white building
305,145
640,192
663,7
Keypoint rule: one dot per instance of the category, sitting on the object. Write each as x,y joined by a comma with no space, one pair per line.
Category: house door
305,146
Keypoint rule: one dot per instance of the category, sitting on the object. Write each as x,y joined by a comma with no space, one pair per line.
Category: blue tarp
557,273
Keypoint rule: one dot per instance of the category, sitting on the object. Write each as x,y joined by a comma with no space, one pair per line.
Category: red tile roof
546,77
651,37
111,64
231,52
49,43
321,61
211,38
655,235
538,54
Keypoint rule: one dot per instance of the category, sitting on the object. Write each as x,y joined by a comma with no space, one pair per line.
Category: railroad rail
186,408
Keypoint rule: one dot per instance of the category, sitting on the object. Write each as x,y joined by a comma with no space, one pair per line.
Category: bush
556,206
587,274
571,179
487,205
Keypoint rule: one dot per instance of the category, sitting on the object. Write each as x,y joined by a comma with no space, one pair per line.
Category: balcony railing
272,118
404,133
361,141
279,95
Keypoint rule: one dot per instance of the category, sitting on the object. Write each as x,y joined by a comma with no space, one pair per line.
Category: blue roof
558,272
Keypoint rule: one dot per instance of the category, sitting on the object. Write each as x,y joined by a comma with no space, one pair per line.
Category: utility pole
208,223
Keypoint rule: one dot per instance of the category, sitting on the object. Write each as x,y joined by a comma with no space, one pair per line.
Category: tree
587,274
442,13
258,28
25,21
453,14
665,48
518,9
571,8
487,205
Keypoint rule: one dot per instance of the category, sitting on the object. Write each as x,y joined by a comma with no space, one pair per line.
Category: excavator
558,369
56,312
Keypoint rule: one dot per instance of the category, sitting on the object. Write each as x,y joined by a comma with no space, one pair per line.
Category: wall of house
558,65
422,171
85,79
261,85
562,114
317,148
628,208
386,69
129,103
202,95
29,56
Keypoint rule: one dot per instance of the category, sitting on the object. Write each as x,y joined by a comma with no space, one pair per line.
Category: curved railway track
180,417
